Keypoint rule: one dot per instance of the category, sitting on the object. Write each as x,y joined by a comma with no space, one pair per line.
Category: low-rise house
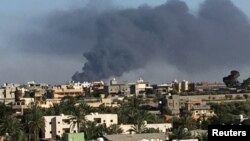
202,112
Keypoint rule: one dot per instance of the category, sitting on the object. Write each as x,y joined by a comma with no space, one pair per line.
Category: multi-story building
140,87
173,103
7,92
162,88
184,86
58,125
66,90
23,104
118,88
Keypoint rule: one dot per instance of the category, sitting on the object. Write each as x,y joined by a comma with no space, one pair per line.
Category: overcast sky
19,65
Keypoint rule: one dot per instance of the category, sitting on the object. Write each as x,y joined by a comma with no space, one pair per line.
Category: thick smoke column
232,79
126,40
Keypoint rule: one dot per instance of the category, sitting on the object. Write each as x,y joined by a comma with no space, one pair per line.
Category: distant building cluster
178,94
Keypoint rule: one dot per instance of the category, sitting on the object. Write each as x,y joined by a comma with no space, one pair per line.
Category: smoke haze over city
102,40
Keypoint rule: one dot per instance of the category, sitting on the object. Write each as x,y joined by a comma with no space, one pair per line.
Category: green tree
180,133
139,119
246,84
185,121
11,128
92,130
79,113
56,109
35,121
4,109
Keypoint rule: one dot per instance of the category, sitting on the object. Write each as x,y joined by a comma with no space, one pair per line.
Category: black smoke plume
126,40
119,41
232,79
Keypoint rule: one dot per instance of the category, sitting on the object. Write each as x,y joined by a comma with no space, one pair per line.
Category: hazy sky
19,18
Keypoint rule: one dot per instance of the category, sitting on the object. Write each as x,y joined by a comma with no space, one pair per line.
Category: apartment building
118,88
7,92
60,91
58,125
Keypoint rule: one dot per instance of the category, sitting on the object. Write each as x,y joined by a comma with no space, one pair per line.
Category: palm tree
123,114
79,113
114,129
35,121
56,109
4,110
181,133
11,128
139,119
92,130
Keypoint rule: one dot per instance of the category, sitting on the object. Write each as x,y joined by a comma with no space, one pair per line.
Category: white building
163,127
57,125
184,85
108,119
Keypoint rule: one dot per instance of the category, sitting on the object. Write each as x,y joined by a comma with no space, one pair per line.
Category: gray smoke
116,41
126,40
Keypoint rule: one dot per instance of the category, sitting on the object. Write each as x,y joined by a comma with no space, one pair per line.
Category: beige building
25,103
66,90
118,88
107,119
173,103
7,92
57,125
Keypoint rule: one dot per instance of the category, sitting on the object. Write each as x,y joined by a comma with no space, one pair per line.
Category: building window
50,122
111,120
58,122
97,120
74,131
104,121
50,132
59,131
